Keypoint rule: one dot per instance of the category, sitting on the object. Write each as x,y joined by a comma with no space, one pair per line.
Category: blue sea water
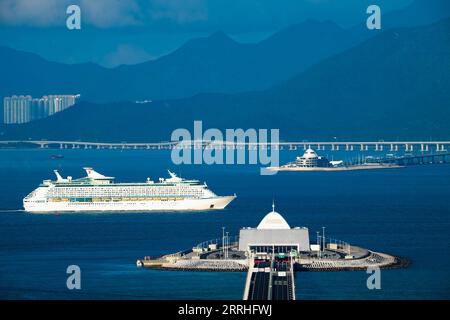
404,212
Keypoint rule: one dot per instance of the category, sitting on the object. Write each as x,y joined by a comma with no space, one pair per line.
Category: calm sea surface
404,212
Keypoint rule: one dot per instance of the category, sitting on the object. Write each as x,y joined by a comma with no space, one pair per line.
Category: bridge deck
270,281
378,144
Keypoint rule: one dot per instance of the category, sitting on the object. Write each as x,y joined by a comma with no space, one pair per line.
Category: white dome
273,220
310,153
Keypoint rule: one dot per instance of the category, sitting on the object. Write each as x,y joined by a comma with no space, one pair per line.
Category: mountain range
394,85
212,64
215,63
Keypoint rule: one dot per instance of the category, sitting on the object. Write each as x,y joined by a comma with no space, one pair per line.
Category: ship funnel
171,174
58,176
91,173
173,177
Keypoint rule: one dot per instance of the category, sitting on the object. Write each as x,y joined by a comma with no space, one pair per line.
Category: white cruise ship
96,192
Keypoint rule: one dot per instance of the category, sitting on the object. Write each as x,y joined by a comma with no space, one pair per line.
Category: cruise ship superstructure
311,161
97,192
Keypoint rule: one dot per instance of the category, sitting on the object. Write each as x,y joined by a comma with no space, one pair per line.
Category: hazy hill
211,64
394,85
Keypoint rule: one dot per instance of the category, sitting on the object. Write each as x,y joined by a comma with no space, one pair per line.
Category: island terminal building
273,239
274,235
310,159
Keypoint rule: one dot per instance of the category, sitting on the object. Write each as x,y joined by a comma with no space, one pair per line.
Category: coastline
372,259
330,169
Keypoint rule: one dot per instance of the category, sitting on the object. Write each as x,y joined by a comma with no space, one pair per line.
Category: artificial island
271,253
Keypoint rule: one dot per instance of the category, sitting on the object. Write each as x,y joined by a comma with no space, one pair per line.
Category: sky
193,15
130,31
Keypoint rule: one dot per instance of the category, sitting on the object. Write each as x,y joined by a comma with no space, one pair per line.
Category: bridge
408,160
270,280
380,145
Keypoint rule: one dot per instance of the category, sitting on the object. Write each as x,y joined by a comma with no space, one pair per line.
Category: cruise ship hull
130,206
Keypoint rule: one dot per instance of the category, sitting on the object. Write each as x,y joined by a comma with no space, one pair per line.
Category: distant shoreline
329,169
387,262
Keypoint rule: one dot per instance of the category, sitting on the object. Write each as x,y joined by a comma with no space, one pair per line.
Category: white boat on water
96,192
311,161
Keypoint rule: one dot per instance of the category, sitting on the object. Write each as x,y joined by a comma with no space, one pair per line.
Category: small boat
57,156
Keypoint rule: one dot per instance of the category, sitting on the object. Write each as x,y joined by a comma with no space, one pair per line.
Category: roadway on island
271,281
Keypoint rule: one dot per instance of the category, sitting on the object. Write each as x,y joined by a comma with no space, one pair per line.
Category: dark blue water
404,212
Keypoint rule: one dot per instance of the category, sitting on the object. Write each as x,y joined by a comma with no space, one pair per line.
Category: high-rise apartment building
23,109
